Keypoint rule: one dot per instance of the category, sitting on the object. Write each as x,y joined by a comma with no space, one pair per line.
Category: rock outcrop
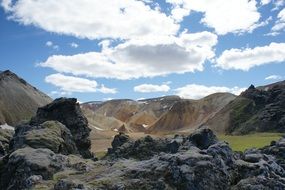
51,135
68,112
5,137
260,109
198,161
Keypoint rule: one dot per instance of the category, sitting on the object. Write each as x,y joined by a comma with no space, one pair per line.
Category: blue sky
99,50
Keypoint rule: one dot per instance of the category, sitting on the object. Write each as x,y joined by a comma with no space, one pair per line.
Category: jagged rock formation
18,100
198,161
67,112
260,109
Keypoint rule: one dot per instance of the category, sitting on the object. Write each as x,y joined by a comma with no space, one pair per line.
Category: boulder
203,138
67,111
27,162
142,149
50,134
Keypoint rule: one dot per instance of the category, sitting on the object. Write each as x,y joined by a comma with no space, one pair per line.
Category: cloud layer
195,91
245,59
71,84
150,88
92,19
146,57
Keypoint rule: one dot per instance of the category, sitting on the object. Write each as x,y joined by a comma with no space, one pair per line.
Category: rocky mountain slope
34,160
260,109
165,114
188,115
18,99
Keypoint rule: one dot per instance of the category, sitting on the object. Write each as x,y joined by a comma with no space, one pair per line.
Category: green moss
256,140
101,154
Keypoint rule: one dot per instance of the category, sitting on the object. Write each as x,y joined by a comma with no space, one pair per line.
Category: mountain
163,114
18,99
260,109
188,115
136,116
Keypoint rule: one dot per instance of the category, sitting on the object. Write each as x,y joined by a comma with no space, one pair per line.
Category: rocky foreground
52,151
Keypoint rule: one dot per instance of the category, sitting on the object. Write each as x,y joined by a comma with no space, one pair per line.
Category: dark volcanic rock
68,112
5,137
145,148
27,162
50,134
203,138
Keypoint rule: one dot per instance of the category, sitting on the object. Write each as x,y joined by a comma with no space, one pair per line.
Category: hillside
163,114
135,116
18,99
260,109
187,115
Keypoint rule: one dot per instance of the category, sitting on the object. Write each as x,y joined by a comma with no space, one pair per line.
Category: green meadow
256,140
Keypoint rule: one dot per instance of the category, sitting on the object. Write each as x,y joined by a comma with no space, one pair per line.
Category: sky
113,49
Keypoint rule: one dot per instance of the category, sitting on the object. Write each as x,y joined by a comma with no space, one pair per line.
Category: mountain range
258,109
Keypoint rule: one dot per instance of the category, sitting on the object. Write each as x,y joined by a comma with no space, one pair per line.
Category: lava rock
5,137
27,162
50,134
203,138
67,111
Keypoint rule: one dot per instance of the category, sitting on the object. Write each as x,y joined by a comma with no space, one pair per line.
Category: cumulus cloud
148,88
92,19
195,91
274,77
245,59
52,45
265,2
71,84
279,24
106,90
224,16
145,57
74,45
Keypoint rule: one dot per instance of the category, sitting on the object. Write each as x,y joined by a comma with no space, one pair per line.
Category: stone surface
5,137
50,134
68,112
27,162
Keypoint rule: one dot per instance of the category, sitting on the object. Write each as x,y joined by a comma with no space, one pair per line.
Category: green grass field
257,140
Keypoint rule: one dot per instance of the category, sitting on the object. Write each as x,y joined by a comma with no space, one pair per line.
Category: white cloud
92,19
195,91
49,43
224,16
106,90
148,88
71,84
145,57
280,23
245,59
52,45
274,77
265,2
74,45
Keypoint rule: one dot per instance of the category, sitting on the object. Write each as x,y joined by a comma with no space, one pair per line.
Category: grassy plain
256,140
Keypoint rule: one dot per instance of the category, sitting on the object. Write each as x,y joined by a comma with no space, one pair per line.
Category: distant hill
136,116
157,115
188,115
18,99
260,109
